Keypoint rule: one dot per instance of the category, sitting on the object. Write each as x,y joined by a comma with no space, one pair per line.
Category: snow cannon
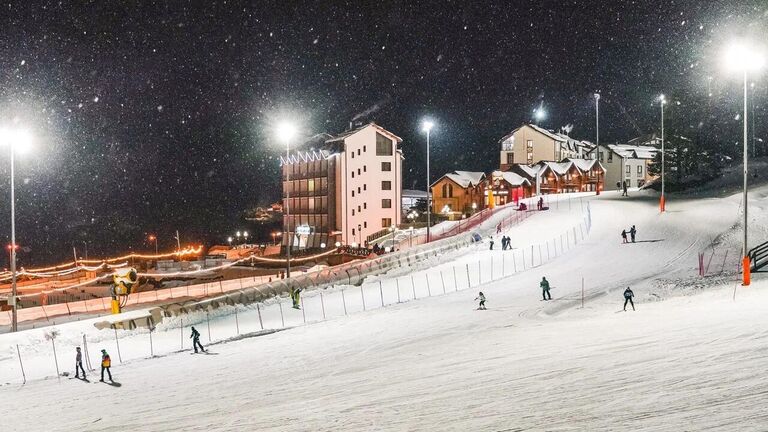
122,285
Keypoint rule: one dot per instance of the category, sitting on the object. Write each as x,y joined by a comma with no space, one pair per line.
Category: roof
530,171
633,152
346,134
512,178
464,178
413,193
304,156
559,168
585,164
550,134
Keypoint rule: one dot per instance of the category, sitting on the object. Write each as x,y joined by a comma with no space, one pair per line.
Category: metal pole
597,141
745,262
429,192
287,234
14,293
663,198
23,375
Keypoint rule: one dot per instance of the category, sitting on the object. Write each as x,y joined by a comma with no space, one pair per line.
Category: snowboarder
540,204
106,363
491,242
624,188
504,242
296,297
481,297
624,235
632,232
628,294
195,336
545,289
79,363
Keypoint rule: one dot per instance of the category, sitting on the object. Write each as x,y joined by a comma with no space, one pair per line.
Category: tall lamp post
285,132
597,140
14,138
739,57
662,200
152,238
427,127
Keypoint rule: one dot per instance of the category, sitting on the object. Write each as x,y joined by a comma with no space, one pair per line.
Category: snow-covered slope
689,362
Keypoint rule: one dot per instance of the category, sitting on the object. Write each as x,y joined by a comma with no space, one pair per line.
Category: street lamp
153,238
285,132
14,138
427,126
597,140
662,200
245,237
229,240
539,114
474,207
742,58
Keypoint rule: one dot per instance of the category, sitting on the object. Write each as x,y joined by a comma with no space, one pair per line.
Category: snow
690,358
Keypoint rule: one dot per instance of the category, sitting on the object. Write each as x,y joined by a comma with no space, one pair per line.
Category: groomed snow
690,362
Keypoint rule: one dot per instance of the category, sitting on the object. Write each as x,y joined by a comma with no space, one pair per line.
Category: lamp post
229,240
14,138
474,207
286,132
245,237
597,140
741,58
427,127
662,200
153,238
238,234
274,242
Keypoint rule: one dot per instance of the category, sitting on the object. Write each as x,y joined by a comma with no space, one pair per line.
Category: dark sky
150,117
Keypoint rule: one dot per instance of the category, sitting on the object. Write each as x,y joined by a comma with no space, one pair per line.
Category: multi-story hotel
347,190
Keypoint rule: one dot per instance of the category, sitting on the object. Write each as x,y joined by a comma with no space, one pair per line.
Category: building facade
458,193
625,163
349,191
530,144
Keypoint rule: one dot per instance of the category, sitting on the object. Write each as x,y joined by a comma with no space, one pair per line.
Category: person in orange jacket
106,363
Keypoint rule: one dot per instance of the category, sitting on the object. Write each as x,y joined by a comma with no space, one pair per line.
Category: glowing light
742,56
338,244
427,126
20,139
539,114
285,131
662,99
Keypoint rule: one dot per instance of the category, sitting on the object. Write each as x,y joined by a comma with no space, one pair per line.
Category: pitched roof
344,135
585,164
512,178
464,178
550,134
633,152
413,193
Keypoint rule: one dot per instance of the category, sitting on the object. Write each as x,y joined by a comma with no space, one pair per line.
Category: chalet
625,163
458,193
507,187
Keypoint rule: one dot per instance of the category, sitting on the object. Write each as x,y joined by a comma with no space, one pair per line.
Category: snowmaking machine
122,285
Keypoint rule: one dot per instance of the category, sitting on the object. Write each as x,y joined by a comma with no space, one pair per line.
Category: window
365,224
353,212
601,156
383,145
530,158
510,158
353,194
364,186
529,145
358,189
364,170
365,205
358,152
447,190
386,222
353,155
311,185
358,209
364,149
386,203
353,174
386,166
629,169
639,170
358,171
386,185
353,232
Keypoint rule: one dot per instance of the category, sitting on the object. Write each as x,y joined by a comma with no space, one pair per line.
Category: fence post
514,262
23,375
548,258
479,273
455,280
117,342
344,302
562,249
582,292
492,279
282,319
322,304
237,322
540,261
397,284
303,314
258,311
469,281
429,290
55,358
221,287
181,333
413,287
151,344
381,292
208,320
442,280
362,295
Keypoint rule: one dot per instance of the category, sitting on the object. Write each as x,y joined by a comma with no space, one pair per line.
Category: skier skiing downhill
79,363
481,297
628,295
545,289
296,297
106,363
195,336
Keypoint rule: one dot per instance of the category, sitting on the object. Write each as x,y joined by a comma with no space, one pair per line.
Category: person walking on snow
106,363
632,232
624,235
79,363
481,297
624,188
628,294
195,336
545,289
491,242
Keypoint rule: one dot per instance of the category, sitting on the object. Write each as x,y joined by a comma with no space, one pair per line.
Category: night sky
158,117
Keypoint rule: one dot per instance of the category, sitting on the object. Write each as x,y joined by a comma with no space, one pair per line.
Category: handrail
759,256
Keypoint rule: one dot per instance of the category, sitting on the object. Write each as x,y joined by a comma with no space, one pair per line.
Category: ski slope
690,358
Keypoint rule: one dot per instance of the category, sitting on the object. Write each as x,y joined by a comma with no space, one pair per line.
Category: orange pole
662,204
745,266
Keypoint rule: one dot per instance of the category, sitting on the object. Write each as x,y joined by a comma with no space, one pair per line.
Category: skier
624,188
195,336
481,297
504,242
296,297
106,363
624,235
541,203
632,232
79,363
545,289
491,242
628,294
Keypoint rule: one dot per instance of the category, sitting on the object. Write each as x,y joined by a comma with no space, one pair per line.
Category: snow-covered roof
633,152
530,171
513,179
344,135
413,193
558,168
550,134
585,164
464,178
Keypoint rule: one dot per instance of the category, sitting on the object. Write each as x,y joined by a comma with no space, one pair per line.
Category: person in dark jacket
106,363
195,336
624,236
545,289
624,188
628,295
490,240
79,363
481,297
632,232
